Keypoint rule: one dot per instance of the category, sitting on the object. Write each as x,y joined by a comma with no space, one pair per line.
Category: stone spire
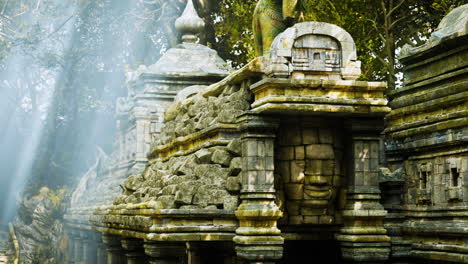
189,24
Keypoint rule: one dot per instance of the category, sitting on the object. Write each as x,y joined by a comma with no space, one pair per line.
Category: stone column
89,247
165,252
77,247
363,237
71,247
258,239
134,250
101,250
115,252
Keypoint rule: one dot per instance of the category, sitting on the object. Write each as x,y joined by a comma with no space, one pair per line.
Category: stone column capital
257,125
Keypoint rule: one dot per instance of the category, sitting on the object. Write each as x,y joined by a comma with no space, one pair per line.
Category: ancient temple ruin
286,157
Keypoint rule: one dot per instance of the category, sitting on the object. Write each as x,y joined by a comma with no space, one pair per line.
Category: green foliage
233,30
376,41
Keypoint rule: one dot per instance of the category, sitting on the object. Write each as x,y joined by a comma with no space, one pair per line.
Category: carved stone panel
309,164
425,183
316,53
454,181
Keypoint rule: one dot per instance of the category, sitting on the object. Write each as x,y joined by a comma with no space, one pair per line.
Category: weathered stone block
284,170
210,195
260,148
326,219
297,171
326,136
328,167
235,166
311,219
293,134
294,191
296,220
269,163
203,156
269,177
314,167
310,136
319,151
221,157
235,147
249,148
233,184
312,211
211,173
269,148
299,152
167,201
185,191
229,115
255,163
286,153
231,202
169,190
293,207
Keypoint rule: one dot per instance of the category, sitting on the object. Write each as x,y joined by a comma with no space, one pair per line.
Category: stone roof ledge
452,29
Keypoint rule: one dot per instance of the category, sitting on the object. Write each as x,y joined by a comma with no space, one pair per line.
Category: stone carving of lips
317,191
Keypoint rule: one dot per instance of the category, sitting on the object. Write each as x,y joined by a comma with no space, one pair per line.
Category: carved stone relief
309,164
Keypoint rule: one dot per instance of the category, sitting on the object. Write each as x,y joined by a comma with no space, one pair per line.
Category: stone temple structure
283,158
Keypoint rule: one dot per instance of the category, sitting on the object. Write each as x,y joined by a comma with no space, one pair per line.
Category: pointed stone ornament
189,24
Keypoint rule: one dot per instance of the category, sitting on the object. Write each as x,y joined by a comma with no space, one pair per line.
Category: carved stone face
309,161
318,188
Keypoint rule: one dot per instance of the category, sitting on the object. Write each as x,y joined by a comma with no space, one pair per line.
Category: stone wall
427,139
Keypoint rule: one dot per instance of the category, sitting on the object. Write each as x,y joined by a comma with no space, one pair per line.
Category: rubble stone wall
208,178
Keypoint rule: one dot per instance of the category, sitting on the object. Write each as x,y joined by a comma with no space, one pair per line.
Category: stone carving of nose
316,180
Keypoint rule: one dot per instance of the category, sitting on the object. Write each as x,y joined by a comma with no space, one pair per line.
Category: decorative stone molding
424,190
314,48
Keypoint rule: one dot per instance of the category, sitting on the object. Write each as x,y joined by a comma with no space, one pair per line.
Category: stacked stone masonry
284,158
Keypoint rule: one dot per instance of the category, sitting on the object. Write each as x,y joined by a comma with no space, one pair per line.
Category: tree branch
383,61
396,22
396,7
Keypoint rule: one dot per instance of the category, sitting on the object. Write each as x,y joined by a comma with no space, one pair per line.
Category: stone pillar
115,252
77,247
89,247
165,252
101,250
258,239
134,250
71,247
363,237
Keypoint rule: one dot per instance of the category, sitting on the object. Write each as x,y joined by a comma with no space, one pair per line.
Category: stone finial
189,24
